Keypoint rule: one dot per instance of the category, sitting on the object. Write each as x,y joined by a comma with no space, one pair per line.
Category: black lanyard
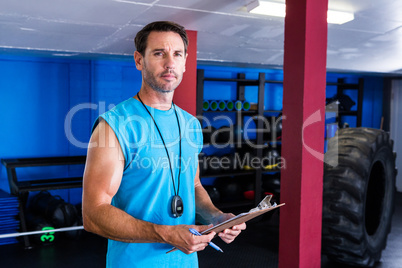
176,194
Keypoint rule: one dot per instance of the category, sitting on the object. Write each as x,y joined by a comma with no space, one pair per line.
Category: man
142,189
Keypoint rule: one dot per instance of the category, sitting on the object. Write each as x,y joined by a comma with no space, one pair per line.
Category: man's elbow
88,224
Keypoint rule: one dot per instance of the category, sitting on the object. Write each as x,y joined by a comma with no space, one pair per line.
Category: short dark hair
141,38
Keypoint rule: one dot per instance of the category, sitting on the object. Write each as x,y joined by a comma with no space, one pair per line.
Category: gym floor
256,247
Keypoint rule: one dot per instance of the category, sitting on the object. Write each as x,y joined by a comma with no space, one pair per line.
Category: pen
195,232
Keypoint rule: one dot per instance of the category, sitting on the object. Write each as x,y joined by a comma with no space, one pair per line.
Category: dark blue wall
48,105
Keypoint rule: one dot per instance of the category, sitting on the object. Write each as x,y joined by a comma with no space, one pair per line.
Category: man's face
163,63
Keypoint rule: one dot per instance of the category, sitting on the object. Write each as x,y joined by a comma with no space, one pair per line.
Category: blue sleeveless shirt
146,188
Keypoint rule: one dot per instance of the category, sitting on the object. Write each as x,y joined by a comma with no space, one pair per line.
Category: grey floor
256,247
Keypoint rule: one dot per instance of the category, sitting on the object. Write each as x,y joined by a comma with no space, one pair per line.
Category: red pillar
185,93
303,133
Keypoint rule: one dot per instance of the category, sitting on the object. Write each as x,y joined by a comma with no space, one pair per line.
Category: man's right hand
180,237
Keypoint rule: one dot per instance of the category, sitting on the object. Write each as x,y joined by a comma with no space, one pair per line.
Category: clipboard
263,207
243,217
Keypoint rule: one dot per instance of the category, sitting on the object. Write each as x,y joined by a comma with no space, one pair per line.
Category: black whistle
177,206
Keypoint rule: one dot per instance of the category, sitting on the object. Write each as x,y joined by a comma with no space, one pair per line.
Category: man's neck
154,99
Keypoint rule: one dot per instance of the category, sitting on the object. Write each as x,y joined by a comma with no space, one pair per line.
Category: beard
151,79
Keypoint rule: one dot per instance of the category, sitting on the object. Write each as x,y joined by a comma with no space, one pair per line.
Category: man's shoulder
187,116
117,114
185,113
125,108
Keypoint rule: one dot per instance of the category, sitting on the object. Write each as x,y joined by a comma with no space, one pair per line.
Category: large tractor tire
358,197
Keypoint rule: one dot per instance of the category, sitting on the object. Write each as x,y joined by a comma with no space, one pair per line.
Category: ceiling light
267,8
339,17
279,10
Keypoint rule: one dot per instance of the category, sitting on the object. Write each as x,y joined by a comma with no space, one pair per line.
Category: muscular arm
207,213
102,178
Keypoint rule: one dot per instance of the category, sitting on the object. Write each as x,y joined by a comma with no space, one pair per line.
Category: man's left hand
228,235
